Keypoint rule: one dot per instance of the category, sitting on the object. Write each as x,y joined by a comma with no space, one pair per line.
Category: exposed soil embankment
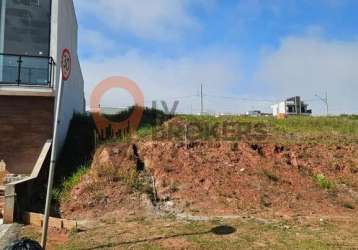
115,182
224,178
219,178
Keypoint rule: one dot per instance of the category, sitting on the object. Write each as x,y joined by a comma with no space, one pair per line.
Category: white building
291,106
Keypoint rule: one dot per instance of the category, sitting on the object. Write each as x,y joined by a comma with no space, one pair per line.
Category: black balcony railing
24,70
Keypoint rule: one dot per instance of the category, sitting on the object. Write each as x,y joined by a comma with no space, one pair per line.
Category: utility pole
201,100
325,101
327,107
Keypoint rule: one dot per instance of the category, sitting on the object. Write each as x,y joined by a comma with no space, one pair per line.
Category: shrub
78,147
349,205
323,182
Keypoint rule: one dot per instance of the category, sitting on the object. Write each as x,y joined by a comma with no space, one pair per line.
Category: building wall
25,125
64,35
279,108
26,122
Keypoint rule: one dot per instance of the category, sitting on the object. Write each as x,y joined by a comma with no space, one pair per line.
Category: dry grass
166,233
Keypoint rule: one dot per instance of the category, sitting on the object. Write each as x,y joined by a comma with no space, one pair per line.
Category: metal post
201,100
325,101
327,107
19,71
49,72
52,165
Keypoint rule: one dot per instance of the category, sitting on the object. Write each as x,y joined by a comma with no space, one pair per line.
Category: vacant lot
166,233
279,184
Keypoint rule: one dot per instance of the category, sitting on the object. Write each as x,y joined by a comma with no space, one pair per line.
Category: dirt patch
116,182
165,233
56,238
219,179
177,244
233,178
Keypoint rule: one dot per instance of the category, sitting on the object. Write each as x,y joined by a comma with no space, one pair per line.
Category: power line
242,98
325,101
178,97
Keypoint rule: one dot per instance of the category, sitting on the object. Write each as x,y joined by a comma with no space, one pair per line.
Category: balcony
26,71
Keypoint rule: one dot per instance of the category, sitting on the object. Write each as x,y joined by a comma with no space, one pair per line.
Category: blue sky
247,53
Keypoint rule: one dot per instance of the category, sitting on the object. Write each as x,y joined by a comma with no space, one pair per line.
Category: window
32,3
2,25
27,27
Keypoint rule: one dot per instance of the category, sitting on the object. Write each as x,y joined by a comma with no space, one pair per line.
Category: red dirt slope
221,178
233,178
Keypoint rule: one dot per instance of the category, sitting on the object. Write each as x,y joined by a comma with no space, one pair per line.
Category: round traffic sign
66,64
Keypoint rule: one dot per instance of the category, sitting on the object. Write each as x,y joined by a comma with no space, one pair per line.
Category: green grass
63,191
294,129
323,182
145,131
336,124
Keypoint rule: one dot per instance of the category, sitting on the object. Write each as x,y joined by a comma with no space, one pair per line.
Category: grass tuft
323,182
271,176
62,193
349,206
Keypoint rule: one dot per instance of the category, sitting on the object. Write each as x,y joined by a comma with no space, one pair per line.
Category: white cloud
166,79
154,19
310,65
95,42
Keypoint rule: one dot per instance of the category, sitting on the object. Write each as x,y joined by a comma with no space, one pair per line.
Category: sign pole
65,73
52,167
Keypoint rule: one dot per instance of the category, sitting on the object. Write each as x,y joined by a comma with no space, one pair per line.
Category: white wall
279,108
64,35
274,109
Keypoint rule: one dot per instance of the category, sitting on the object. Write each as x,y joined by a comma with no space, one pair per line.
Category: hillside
299,166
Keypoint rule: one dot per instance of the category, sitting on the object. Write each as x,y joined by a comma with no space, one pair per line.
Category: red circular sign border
65,78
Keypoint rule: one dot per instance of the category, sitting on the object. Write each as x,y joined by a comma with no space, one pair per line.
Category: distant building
113,111
292,106
254,113
257,113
